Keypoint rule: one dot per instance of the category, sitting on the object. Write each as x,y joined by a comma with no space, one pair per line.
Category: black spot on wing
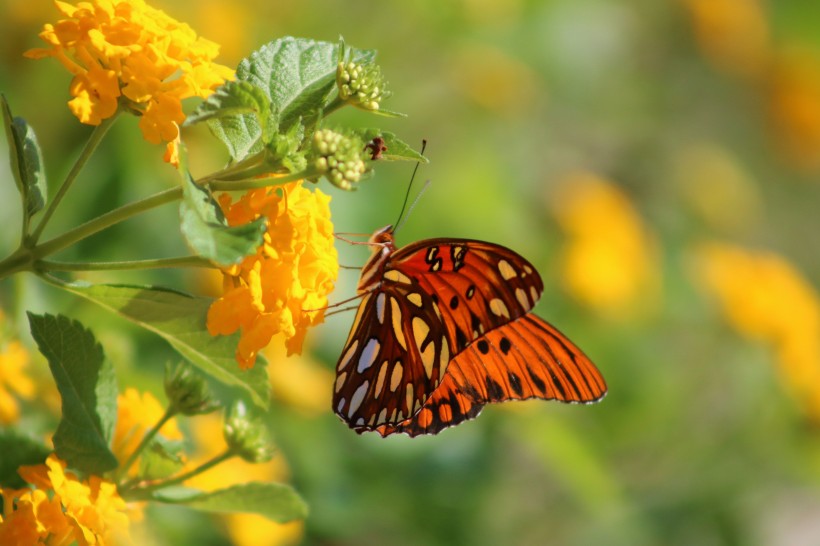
483,347
515,383
539,384
454,302
504,345
461,339
494,389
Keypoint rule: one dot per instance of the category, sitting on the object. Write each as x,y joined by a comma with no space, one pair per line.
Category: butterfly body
444,327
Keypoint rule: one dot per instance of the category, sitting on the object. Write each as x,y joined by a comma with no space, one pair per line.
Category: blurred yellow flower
14,382
293,271
244,529
126,48
136,415
300,382
766,298
608,261
733,34
795,106
62,509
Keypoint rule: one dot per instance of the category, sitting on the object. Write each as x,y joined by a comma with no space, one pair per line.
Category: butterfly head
382,238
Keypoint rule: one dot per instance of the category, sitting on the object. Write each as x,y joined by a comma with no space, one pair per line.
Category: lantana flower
125,49
284,286
60,508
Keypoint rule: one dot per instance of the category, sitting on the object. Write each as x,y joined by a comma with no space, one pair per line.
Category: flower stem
158,263
93,141
141,493
106,220
123,470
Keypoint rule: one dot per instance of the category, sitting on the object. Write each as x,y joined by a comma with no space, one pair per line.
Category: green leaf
397,149
18,450
26,161
232,99
161,459
297,75
204,227
180,319
87,387
275,501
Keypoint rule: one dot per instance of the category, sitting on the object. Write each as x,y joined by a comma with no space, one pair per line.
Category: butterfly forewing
479,286
395,356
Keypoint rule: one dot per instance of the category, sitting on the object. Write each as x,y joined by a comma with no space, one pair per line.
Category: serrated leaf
275,501
297,75
231,99
160,459
18,450
26,160
397,149
204,227
88,388
180,319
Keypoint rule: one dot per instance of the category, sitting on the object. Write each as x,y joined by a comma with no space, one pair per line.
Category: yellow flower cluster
765,298
291,274
61,509
608,260
126,49
13,380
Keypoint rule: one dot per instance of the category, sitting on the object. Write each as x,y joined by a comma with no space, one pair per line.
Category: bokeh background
659,162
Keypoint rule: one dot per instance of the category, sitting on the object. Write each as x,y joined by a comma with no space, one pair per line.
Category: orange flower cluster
292,273
126,49
62,509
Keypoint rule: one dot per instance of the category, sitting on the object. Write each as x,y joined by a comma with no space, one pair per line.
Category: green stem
158,263
93,141
143,493
123,470
255,183
106,220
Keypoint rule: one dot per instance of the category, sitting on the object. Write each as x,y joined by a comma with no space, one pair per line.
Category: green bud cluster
187,391
247,435
338,157
361,85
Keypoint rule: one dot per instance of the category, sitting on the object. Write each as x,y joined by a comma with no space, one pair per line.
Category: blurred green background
657,161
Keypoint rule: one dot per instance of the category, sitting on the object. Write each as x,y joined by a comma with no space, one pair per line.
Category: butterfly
443,328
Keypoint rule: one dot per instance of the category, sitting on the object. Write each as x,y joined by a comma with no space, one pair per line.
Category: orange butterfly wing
444,330
527,358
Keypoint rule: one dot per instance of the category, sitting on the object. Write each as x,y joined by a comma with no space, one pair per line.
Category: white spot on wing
356,399
380,307
369,354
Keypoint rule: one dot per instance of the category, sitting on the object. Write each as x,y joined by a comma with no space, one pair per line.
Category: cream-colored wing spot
395,320
521,296
394,275
340,380
415,299
380,379
409,398
499,308
351,349
534,294
395,378
507,271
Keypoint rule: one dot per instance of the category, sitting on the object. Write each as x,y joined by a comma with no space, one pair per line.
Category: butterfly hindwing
395,356
527,358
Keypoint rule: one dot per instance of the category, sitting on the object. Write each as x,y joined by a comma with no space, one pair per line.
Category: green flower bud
187,391
361,85
247,435
338,157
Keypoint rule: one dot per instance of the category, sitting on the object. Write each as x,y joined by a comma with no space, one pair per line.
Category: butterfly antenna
400,220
